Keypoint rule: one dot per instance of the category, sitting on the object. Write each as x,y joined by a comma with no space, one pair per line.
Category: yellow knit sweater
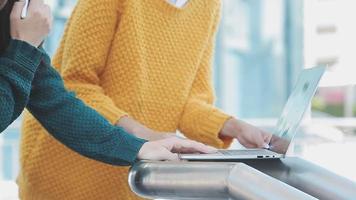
142,58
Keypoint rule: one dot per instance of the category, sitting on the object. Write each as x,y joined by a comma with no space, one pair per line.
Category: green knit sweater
28,80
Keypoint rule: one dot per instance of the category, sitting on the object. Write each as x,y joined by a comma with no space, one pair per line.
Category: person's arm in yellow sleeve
202,121
81,65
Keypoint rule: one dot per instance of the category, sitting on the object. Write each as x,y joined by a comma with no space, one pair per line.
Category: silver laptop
286,127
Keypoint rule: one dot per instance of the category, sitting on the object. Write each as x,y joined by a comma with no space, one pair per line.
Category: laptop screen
294,110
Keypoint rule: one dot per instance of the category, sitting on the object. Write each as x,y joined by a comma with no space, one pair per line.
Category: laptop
287,125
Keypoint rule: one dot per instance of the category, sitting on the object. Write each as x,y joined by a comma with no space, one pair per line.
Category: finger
249,145
49,14
183,146
267,136
211,149
267,139
47,9
206,149
190,146
17,9
260,139
246,144
176,144
260,143
35,3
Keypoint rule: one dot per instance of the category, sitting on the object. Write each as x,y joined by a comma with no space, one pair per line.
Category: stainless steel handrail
307,177
207,180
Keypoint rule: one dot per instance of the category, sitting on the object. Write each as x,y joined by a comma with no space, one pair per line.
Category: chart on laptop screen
298,102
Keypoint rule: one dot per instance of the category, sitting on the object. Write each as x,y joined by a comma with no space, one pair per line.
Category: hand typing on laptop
284,132
248,135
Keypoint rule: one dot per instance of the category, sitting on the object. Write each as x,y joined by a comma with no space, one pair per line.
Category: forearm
76,125
17,67
7,101
6,108
137,129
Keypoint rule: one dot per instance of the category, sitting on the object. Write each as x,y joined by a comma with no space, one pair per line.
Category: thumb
17,9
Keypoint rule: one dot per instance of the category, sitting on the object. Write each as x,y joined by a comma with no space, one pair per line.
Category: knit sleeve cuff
129,144
203,122
45,57
211,127
24,54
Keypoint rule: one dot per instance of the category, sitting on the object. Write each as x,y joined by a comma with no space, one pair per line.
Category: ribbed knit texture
142,58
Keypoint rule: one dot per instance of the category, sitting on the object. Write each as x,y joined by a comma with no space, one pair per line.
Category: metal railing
307,177
207,180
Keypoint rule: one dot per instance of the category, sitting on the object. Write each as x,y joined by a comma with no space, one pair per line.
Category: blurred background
262,45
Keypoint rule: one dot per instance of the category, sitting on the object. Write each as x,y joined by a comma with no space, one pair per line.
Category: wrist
124,122
23,39
23,54
141,151
141,131
230,128
133,127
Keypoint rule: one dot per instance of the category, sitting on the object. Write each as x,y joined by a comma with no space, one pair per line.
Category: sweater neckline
168,7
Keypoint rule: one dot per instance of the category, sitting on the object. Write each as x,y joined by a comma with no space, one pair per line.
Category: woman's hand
141,131
35,27
168,149
248,135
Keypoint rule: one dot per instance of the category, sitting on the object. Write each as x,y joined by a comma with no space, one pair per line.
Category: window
262,46
258,55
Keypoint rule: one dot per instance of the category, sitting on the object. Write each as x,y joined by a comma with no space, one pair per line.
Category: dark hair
5,25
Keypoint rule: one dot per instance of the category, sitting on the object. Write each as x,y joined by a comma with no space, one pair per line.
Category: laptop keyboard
246,152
